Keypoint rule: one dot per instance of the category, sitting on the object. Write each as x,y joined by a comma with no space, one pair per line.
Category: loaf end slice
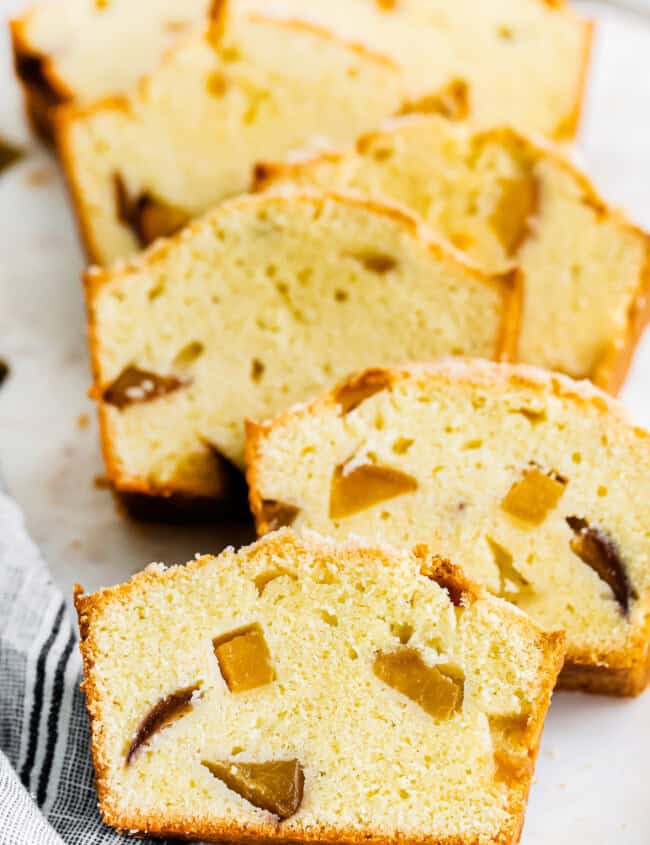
43,90
537,484
302,691
64,51
141,165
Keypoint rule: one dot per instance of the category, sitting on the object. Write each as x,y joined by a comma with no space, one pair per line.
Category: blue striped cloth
47,793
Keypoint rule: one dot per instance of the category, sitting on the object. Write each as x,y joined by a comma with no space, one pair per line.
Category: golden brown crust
139,497
449,576
612,369
255,433
512,316
90,607
43,90
62,122
623,674
197,829
86,607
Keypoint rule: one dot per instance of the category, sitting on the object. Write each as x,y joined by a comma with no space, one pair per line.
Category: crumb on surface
39,177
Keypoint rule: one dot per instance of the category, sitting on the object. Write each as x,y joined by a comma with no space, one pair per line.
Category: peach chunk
157,219
244,658
531,498
276,786
355,391
437,693
364,487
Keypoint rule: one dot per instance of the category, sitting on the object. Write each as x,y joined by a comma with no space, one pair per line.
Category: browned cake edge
621,673
90,607
43,90
567,127
62,123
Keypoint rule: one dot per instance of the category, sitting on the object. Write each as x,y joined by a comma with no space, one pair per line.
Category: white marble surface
594,765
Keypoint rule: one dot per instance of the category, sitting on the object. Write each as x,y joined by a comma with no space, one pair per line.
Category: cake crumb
39,177
83,421
101,482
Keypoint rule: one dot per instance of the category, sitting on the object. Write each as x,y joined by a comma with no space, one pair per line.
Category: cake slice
64,50
509,203
142,165
299,690
537,483
523,62
259,304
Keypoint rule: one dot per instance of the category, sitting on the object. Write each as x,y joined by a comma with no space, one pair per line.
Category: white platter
594,766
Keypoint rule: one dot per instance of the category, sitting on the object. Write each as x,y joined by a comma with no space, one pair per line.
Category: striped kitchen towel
47,794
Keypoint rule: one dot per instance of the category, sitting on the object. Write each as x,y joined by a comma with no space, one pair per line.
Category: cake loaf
141,165
510,203
537,483
259,304
521,61
302,691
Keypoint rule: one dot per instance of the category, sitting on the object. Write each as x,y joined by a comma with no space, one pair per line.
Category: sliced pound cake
141,165
508,203
65,50
538,484
299,691
523,62
259,304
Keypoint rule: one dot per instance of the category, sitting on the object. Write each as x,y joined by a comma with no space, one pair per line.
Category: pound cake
259,304
141,165
523,62
509,203
65,50
303,691
538,484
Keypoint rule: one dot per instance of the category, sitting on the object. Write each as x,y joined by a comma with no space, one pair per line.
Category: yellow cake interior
372,758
